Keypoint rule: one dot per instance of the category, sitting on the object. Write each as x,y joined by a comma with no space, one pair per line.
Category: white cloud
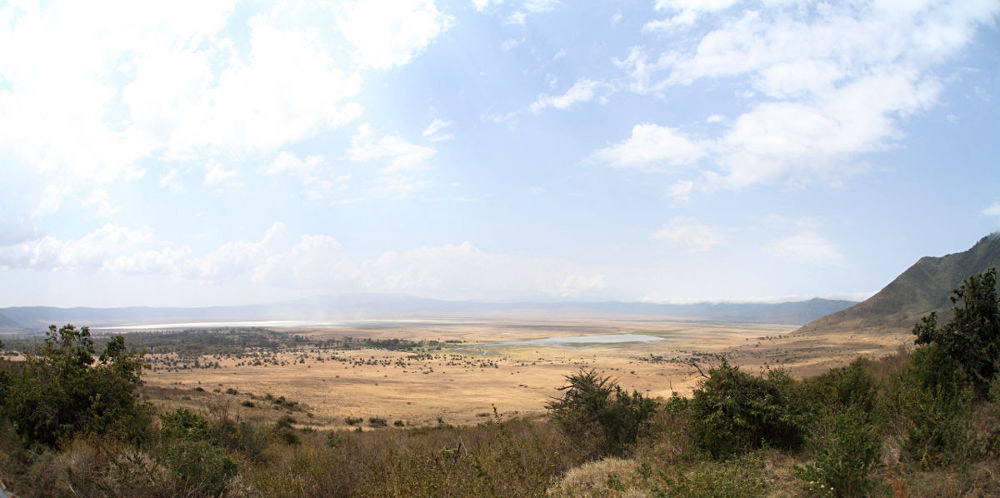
680,191
391,35
233,259
130,87
540,5
992,210
52,198
88,253
687,13
583,90
698,5
433,131
171,182
318,178
481,5
715,118
100,202
690,235
402,162
312,263
576,285
808,246
823,89
217,175
510,44
651,146
517,17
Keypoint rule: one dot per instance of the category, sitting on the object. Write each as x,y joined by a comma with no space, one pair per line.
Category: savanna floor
476,371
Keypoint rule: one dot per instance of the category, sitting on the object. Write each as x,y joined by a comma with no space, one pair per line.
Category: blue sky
201,153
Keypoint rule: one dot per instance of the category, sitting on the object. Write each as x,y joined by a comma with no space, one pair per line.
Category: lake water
584,339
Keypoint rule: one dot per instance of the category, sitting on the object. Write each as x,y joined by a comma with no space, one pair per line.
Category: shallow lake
584,339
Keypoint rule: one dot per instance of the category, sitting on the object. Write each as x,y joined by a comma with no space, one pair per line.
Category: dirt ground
464,381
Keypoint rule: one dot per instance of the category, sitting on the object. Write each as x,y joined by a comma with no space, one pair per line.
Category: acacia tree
972,337
597,413
63,389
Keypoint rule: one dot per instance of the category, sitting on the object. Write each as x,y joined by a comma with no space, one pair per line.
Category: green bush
599,414
63,390
839,389
845,450
183,424
732,412
247,439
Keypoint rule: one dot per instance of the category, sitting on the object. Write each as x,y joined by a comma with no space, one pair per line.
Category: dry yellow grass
463,382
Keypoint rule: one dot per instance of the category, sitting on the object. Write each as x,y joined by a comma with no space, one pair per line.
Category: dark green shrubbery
63,390
850,387
936,398
972,337
733,412
600,415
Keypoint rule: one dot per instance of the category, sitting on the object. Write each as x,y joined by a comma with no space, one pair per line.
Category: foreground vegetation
921,422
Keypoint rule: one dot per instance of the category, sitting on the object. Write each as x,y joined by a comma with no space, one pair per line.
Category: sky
193,153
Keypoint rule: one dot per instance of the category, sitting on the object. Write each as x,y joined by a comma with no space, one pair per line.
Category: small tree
597,412
63,390
972,337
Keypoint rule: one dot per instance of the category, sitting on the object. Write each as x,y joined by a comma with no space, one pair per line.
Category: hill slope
924,287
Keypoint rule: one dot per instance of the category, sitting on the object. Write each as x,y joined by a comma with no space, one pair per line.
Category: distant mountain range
346,307
924,287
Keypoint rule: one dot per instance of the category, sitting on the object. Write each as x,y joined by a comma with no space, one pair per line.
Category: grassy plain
474,371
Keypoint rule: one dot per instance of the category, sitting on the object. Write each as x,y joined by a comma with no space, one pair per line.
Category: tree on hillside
972,337
62,390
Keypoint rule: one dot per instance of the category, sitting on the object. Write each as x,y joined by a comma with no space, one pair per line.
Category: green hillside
924,287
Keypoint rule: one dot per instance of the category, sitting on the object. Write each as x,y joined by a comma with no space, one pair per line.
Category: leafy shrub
845,450
732,412
353,420
63,390
599,414
377,422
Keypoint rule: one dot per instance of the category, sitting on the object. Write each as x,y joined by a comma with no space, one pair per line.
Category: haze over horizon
196,154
